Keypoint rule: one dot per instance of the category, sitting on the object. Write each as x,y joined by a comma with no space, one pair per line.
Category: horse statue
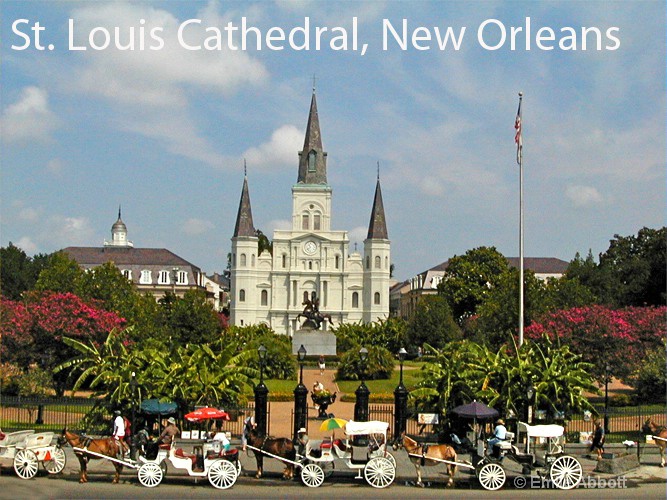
660,432
422,455
281,447
104,446
314,318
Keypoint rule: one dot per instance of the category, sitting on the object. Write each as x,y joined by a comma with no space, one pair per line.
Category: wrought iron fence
53,414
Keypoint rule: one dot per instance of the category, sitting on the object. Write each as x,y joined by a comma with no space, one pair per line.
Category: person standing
302,441
598,439
322,365
248,425
119,433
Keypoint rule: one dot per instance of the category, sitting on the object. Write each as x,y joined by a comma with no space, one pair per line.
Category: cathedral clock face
309,247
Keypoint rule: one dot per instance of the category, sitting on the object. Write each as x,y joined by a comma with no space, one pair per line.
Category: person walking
322,365
248,425
598,439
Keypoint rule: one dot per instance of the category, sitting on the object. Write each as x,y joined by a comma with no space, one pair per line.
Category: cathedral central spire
312,159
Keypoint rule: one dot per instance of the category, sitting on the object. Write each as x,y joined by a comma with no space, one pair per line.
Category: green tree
192,319
432,323
390,334
107,284
18,272
633,269
62,274
469,279
378,366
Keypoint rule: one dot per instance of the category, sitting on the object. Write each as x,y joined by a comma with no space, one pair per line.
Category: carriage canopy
353,428
544,431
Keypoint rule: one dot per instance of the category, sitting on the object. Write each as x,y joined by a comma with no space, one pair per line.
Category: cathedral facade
311,263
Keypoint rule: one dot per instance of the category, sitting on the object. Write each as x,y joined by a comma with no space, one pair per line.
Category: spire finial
314,82
118,212
378,169
245,168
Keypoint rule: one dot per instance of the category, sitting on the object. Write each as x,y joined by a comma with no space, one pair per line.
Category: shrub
379,364
650,380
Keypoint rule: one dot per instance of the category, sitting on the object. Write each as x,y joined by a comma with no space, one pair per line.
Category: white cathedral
310,261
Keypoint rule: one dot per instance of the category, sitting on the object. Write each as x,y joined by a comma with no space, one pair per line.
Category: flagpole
520,160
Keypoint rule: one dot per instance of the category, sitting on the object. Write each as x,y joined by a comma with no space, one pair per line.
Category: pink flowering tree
620,338
33,329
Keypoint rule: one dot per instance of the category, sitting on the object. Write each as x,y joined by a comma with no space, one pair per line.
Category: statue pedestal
316,342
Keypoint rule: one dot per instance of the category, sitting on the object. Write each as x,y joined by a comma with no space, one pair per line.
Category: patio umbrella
475,410
157,407
331,424
207,414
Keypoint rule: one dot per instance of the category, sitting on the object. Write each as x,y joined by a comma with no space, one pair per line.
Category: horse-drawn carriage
564,471
28,449
371,457
364,451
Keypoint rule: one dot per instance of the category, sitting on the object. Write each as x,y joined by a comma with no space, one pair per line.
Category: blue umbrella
157,407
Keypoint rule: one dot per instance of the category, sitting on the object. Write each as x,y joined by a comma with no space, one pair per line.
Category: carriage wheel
379,472
491,476
150,474
57,462
25,464
238,467
312,475
222,474
566,472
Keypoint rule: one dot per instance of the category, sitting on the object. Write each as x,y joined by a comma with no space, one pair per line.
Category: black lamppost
607,375
300,396
530,392
400,400
133,391
362,392
261,395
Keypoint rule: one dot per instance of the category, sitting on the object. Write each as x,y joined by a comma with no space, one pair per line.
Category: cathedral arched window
376,298
243,260
316,222
284,257
386,262
264,298
355,300
378,262
368,262
305,218
252,260
241,295
312,160
305,296
337,261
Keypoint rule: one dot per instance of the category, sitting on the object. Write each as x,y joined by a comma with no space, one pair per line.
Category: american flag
517,135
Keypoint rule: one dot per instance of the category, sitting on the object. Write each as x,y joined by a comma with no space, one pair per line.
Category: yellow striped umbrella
331,424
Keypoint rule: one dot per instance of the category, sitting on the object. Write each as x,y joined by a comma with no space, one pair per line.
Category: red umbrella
207,414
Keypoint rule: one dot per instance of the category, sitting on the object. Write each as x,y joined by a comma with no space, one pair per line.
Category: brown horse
423,455
281,447
104,446
659,431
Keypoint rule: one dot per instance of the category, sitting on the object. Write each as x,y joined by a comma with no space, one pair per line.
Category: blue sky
164,132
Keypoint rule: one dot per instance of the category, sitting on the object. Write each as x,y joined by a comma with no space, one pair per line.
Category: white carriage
27,449
372,458
564,471
208,460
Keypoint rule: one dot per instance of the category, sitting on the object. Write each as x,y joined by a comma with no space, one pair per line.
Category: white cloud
279,224
29,118
280,150
196,226
55,166
29,214
27,245
583,196
357,235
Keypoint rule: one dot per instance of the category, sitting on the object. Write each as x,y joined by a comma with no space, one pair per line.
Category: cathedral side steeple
312,159
244,225
377,228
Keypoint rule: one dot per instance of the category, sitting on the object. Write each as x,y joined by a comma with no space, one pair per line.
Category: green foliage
650,379
106,284
34,382
192,319
469,278
61,274
389,333
464,371
10,374
280,363
379,365
18,272
432,323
